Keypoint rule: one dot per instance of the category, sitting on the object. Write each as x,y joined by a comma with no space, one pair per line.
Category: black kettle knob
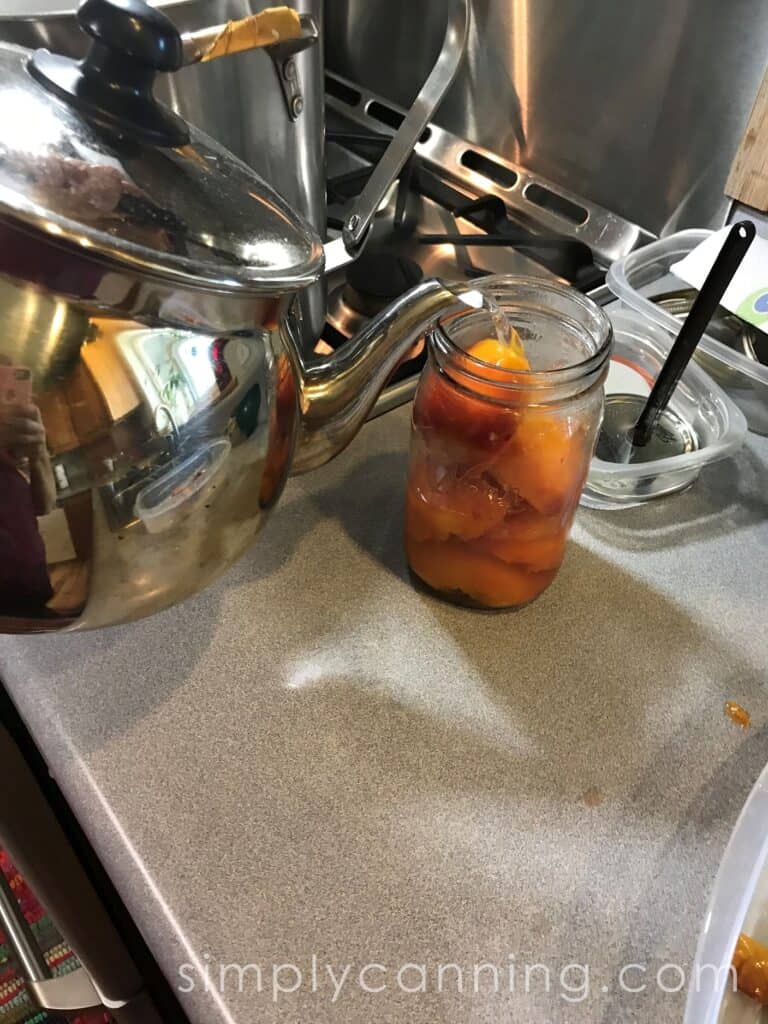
134,29
112,86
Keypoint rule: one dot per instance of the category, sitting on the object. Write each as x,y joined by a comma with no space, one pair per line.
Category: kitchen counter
314,759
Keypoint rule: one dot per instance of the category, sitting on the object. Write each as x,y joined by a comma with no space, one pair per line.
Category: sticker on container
747,295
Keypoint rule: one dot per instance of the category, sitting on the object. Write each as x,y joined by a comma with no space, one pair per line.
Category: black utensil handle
113,84
728,261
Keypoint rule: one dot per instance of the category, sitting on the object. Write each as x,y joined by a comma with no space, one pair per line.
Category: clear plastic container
167,501
717,424
644,275
739,902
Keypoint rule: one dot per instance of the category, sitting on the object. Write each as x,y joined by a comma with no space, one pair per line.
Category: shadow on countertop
728,496
593,653
393,730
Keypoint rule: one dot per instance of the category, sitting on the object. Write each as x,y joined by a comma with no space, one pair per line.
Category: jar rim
529,380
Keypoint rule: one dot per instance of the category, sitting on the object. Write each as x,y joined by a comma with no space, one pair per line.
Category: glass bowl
716,425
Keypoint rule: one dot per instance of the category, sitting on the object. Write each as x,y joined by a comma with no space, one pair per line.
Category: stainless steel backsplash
636,104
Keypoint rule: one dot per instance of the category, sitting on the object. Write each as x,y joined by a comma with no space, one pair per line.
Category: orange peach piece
496,353
497,359
750,961
538,555
453,566
531,525
450,410
447,506
418,523
545,462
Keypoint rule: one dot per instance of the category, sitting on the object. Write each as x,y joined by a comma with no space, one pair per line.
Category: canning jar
502,438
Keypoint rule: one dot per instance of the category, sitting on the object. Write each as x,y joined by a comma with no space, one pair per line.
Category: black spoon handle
720,276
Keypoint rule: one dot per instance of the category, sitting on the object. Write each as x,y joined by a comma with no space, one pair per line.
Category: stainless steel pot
156,396
266,108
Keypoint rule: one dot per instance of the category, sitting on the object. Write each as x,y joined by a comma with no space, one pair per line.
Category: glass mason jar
501,443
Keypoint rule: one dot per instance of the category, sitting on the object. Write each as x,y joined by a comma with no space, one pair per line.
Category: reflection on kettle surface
132,476
27,490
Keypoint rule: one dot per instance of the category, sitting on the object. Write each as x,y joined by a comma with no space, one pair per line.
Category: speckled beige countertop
314,759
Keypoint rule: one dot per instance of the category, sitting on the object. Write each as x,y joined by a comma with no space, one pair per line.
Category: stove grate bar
544,204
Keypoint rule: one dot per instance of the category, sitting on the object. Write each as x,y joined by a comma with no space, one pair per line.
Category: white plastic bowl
739,903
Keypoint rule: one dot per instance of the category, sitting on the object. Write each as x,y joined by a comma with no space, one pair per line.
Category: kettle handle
113,84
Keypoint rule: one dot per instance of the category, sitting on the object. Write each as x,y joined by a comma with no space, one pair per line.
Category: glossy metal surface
270,113
338,393
109,438
422,110
531,197
637,107
32,835
73,991
193,216
147,455
238,101
20,936
136,413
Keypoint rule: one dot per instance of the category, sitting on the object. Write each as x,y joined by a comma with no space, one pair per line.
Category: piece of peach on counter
452,566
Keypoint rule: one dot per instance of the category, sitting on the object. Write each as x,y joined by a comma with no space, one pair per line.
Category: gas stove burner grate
543,203
567,258
374,280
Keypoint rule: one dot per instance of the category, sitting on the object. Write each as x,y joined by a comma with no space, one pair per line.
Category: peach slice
453,566
443,507
450,410
545,462
537,555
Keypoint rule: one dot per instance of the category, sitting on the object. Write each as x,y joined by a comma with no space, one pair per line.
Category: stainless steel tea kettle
153,391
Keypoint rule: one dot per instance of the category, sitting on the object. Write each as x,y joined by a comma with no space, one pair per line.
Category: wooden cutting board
748,180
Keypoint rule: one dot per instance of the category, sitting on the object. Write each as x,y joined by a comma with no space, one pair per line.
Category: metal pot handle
347,248
73,991
36,843
236,36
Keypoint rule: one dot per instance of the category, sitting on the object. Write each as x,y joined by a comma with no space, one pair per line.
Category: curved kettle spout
338,393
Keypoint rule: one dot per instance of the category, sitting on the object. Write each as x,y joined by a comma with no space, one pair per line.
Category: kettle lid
89,159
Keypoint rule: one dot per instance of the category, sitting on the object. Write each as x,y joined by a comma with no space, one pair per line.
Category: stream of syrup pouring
505,334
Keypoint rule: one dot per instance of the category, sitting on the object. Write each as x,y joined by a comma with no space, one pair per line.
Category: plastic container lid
646,272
